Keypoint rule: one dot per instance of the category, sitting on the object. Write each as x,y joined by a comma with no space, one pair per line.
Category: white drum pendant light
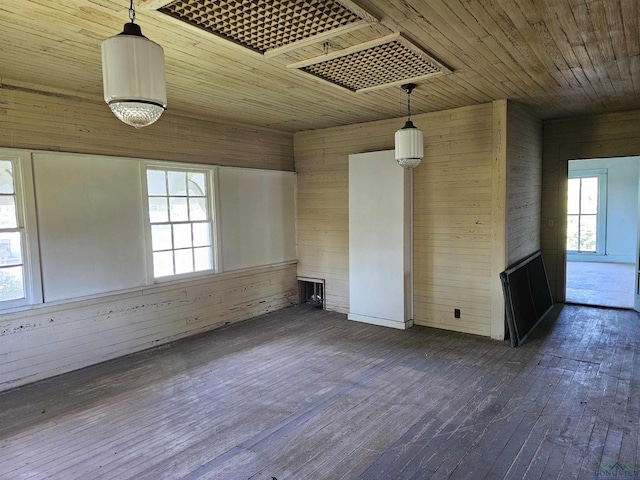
409,140
133,76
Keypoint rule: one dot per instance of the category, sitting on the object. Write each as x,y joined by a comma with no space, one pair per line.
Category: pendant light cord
132,12
409,104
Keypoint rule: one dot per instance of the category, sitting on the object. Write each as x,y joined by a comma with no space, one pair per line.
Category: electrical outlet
456,313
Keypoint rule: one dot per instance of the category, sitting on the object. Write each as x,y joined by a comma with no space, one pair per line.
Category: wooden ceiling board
558,57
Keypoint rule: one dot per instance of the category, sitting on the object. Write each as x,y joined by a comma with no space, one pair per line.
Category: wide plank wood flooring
306,394
601,284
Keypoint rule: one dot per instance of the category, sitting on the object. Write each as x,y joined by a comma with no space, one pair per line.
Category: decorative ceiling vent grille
265,25
386,62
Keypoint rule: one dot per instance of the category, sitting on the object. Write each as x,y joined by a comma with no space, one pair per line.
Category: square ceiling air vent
388,61
271,26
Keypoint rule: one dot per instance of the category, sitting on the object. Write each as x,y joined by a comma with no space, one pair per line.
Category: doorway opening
602,231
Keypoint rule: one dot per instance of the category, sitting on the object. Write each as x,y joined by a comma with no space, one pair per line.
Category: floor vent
311,291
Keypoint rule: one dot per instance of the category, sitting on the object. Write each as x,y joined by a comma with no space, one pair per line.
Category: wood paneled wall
524,183
39,120
453,222
49,340
458,213
598,136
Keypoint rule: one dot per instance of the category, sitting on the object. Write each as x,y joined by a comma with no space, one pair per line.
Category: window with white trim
12,286
18,284
181,220
586,211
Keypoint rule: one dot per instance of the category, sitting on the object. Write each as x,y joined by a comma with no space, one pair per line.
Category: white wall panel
257,217
380,205
91,224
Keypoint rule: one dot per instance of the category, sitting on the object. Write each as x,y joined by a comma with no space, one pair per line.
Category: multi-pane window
12,268
181,221
583,214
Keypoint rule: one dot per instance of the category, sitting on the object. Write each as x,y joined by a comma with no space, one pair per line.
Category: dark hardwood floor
306,394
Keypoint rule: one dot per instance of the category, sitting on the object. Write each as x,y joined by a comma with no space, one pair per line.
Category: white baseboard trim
383,322
587,257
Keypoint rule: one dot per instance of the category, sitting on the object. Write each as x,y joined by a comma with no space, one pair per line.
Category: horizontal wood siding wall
598,136
40,120
452,213
453,200
51,340
524,183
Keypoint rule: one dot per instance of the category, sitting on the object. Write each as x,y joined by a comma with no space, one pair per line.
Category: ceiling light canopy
133,75
409,139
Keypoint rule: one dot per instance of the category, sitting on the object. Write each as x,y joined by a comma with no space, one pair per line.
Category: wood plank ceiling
558,57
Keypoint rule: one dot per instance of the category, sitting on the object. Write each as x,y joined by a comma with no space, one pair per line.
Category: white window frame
211,179
27,226
601,225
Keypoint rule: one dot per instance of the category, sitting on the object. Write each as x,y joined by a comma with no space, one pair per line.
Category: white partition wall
257,217
380,242
91,224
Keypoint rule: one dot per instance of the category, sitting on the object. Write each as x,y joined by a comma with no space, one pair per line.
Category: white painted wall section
380,206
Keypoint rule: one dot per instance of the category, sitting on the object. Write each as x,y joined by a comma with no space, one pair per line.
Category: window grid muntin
18,228
579,216
187,196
